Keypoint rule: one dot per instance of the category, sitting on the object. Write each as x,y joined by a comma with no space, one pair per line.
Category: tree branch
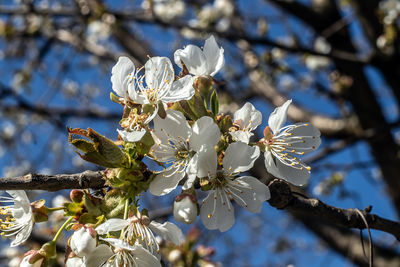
283,198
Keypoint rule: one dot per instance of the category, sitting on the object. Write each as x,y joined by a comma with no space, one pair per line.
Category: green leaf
214,104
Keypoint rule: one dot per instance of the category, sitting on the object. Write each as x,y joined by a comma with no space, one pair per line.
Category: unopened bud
203,84
76,195
185,208
32,259
83,241
40,211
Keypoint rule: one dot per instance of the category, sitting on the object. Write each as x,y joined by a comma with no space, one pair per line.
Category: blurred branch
283,198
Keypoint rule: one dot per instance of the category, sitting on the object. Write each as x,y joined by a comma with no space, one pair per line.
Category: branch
35,181
283,198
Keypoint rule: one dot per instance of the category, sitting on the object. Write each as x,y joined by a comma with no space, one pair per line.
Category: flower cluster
173,120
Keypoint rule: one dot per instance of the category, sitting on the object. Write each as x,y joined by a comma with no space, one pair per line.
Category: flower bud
203,84
76,195
83,241
185,208
40,211
174,256
32,259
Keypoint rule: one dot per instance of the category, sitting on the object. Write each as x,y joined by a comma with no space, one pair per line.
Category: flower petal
248,117
174,127
133,136
191,171
205,132
159,74
98,256
111,225
310,137
216,213
250,193
181,89
121,75
241,136
82,243
214,56
294,175
278,117
193,58
22,235
240,157
167,231
144,258
166,181
207,162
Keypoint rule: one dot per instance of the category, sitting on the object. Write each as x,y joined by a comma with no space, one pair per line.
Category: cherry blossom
201,62
284,143
178,144
217,211
245,121
18,219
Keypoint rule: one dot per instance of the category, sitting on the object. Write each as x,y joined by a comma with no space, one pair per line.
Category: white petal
163,151
121,75
159,74
181,89
98,256
185,210
293,175
240,157
191,171
111,225
248,117
278,117
193,58
22,235
19,197
310,137
82,243
251,193
215,213
133,136
207,162
173,126
144,258
74,262
214,56
241,136
166,181
167,231
205,132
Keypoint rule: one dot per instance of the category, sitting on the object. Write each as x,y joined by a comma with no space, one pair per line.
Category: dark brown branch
35,181
283,198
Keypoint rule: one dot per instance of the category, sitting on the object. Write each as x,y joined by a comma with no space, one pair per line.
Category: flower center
7,220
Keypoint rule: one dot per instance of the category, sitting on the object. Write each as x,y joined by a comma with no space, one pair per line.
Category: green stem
125,215
62,228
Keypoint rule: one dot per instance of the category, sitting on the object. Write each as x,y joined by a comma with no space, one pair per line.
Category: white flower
94,259
246,120
83,241
140,231
283,144
128,255
157,84
201,62
185,208
178,144
217,211
19,217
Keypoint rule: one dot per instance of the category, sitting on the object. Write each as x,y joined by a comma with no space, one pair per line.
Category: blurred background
338,60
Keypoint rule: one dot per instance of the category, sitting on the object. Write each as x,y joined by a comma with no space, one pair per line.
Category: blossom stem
62,228
55,209
125,214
